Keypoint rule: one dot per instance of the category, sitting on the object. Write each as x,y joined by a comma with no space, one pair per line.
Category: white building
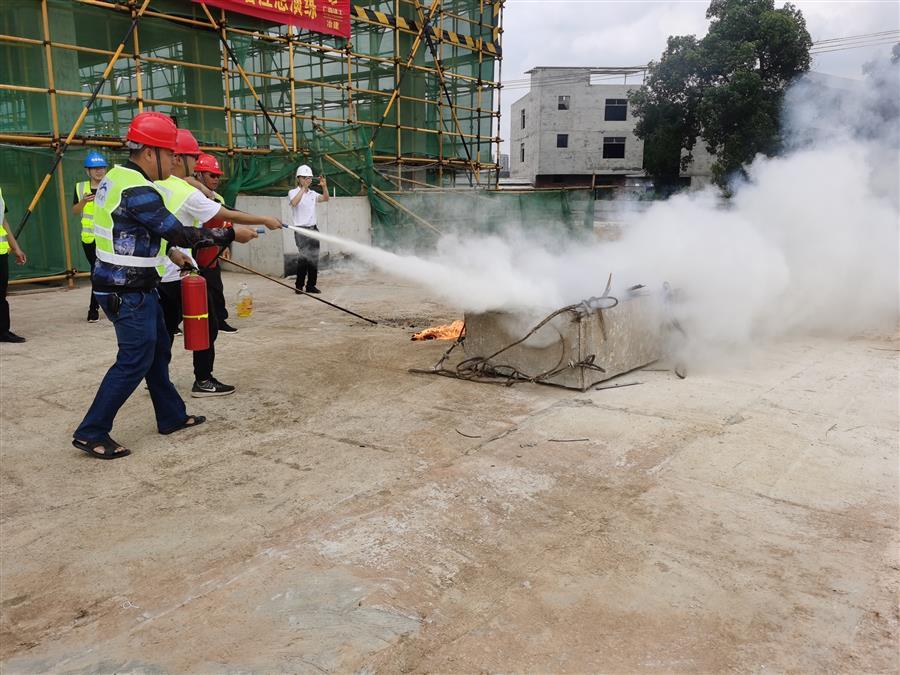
575,127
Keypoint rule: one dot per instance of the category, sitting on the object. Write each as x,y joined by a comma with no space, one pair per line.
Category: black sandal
190,422
109,448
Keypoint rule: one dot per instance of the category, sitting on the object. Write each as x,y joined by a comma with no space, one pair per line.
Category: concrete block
571,349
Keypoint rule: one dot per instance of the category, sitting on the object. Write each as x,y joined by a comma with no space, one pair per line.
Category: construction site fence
560,213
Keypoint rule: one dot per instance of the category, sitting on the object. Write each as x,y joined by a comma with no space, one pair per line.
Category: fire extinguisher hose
262,230
281,283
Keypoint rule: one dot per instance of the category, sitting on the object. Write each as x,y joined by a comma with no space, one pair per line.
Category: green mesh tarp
21,171
341,155
566,212
330,110
180,74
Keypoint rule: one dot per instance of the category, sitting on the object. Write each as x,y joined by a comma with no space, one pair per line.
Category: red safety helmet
209,164
153,129
186,144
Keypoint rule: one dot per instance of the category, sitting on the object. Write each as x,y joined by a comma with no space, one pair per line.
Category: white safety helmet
304,170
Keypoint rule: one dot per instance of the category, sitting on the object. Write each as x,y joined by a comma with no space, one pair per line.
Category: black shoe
225,328
93,316
11,337
298,291
211,387
312,289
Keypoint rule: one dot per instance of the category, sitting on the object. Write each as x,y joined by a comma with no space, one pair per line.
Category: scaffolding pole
61,150
351,88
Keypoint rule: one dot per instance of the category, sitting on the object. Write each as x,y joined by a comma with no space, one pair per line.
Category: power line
579,76
563,83
558,80
841,49
852,37
823,46
847,43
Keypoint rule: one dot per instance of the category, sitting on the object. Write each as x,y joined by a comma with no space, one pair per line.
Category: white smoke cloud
807,244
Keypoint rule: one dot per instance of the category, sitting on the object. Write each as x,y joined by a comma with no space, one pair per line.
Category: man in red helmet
193,208
208,172
130,223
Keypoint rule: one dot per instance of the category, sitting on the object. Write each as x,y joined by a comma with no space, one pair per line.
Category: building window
522,115
562,140
616,109
521,152
614,147
563,103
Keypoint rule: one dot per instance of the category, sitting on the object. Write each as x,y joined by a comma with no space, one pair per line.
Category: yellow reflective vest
87,214
4,244
175,192
107,200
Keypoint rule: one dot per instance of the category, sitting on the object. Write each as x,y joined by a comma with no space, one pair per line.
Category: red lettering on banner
322,16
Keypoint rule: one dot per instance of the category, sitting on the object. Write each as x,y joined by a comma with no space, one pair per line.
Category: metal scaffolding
411,101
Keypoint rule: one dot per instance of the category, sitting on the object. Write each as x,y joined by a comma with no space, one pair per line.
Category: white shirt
304,214
198,207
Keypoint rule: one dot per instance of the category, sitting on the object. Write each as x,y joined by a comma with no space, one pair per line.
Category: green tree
726,88
667,111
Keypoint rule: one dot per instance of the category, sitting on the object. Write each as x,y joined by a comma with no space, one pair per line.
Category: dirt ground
339,514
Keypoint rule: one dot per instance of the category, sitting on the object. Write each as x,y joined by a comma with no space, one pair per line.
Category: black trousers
90,251
170,298
308,262
4,284
216,292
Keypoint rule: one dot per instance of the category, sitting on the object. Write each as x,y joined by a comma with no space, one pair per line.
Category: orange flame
452,331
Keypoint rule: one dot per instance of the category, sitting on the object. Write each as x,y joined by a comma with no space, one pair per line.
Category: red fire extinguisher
195,312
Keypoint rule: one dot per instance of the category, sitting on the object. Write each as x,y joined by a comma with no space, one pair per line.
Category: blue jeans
144,352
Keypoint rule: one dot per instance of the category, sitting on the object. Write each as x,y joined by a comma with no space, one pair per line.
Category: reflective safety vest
83,189
4,244
175,192
107,200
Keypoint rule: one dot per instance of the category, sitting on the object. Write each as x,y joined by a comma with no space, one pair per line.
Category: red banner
321,16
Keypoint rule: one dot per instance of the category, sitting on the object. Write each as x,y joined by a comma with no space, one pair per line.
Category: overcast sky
633,32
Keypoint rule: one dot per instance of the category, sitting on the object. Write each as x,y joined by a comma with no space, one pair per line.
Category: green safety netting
480,210
566,212
342,155
342,132
21,171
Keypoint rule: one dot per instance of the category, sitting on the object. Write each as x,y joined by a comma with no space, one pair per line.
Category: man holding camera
303,214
